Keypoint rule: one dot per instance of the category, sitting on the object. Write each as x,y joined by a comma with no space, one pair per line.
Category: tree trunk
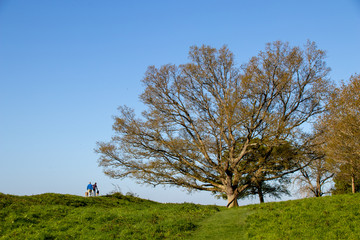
261,195
353,183
232,201
318,192
232,195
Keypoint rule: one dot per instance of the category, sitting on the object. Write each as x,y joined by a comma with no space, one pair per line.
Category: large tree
342,134
198,113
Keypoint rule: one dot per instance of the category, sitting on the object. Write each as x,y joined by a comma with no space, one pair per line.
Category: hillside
56,216
333,217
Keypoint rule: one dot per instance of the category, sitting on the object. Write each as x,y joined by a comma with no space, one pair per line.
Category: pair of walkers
92,190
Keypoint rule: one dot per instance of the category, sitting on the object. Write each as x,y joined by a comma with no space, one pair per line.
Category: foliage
342,137
198,111
343,183
275,189
269,178
56,216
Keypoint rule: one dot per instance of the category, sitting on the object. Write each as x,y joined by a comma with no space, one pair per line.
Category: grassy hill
335,217
56,216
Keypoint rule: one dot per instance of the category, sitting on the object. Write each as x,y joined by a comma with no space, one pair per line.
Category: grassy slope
226,224
55,216
335,217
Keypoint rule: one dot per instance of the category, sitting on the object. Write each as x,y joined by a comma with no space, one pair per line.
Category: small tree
262,188
199,111
314,177
343,183
270,164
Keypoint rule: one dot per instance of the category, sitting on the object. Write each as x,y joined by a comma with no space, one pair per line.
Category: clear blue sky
65,67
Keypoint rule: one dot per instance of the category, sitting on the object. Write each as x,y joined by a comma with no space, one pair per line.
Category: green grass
335,217
226,224
56,216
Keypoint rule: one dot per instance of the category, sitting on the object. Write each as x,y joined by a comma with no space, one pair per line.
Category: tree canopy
199,113
342,134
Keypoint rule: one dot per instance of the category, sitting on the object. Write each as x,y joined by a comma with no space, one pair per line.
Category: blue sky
65,67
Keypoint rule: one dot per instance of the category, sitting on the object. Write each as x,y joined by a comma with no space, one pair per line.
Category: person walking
89,189
95,189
